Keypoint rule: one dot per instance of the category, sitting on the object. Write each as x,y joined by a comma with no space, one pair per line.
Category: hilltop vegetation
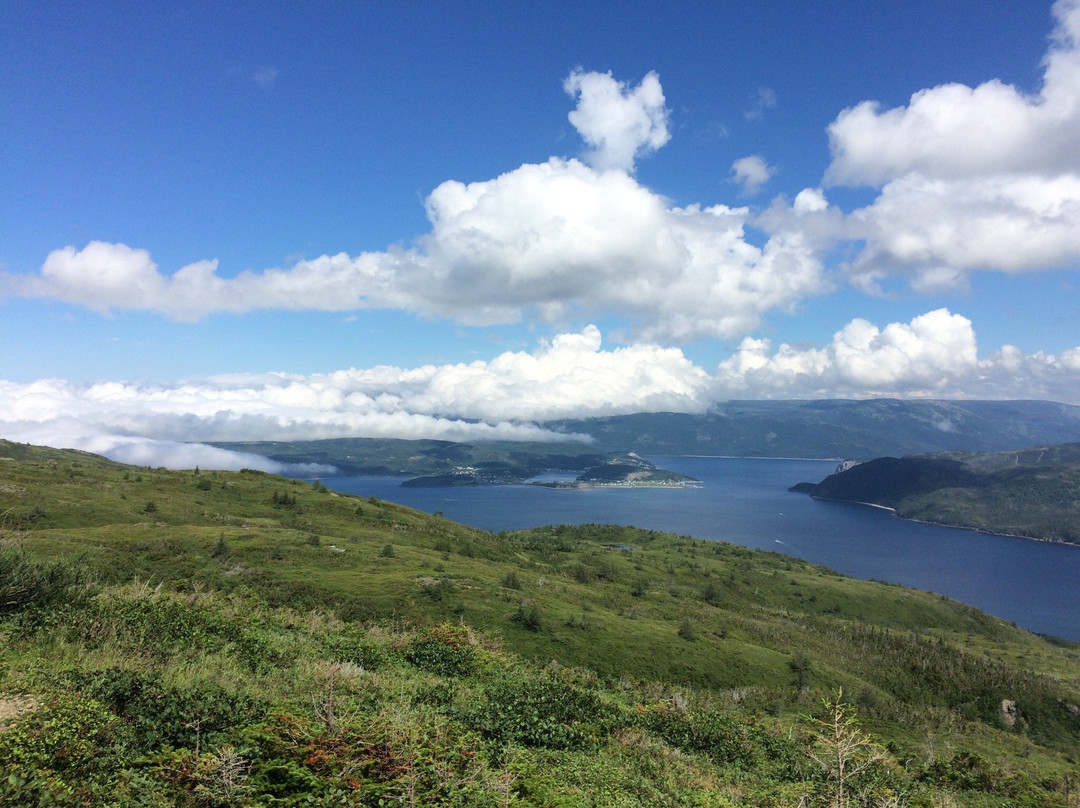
186,638
1033,492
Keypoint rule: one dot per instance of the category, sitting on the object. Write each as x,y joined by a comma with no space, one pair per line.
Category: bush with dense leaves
65,752
541,710
159,714
445,650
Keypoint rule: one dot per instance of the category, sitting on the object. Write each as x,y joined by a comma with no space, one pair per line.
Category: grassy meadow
215,638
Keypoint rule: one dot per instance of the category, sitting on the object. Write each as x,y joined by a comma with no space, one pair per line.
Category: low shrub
528,616
540,710
157,714
63,753
444,649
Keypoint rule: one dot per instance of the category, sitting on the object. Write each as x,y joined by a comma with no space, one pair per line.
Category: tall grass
26,581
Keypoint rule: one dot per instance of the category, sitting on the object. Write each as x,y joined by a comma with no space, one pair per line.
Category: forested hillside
1033,492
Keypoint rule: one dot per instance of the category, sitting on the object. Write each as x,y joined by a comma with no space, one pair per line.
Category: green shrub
163,626
712,594
158,714
283,499
724,739
437,590
443,649
528,616
687,629
61,753
607,571
541,710
352,644
511,580
582,574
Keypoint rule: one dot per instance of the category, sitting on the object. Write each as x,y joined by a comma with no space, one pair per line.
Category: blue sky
461,220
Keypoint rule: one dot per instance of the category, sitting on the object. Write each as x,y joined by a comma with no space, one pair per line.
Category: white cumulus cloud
983,178
618,122
954,131
552,241
930,355
935,355
561,237
544,241
751,172
937,230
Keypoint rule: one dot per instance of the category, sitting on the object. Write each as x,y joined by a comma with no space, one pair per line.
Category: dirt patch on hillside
11,707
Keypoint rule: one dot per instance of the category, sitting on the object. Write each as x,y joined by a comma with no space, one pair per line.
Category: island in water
615,470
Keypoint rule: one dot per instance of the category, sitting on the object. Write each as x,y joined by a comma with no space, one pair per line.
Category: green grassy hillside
237,638
1033,492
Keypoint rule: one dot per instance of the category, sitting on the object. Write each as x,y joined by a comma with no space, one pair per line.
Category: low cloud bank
142,451
511,396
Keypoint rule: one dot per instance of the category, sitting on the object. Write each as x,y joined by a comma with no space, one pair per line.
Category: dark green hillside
1033,492
385,456
182,638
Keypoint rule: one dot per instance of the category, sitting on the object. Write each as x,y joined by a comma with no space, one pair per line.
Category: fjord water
745,501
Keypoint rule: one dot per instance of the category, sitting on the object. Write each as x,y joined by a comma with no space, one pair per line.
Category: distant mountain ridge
1033,492
836,428
812,429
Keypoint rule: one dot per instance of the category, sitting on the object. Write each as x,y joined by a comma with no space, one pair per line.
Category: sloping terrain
185,638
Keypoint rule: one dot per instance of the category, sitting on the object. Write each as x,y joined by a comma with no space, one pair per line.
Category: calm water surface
745,501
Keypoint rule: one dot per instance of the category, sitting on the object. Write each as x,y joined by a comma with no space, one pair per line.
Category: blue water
745,501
